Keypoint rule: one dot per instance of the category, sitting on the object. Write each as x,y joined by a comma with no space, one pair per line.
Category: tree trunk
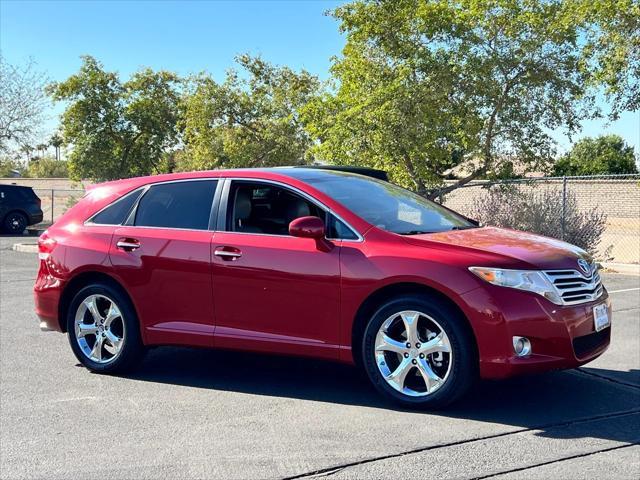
421,189
460,183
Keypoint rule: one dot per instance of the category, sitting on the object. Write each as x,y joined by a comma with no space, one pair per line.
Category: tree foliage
8,166
424,86
22,104
47,167
605,154
249,120
117,129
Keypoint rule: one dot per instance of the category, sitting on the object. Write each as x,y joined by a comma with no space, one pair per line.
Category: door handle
128,244
227,253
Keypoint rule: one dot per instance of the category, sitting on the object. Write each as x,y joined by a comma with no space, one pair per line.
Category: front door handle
128,244
227,253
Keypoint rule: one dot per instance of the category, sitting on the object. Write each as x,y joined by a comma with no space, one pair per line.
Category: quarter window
339,230
177,205
117,212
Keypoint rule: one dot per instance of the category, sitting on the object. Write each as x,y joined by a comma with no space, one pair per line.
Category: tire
385,356
118,332
15,223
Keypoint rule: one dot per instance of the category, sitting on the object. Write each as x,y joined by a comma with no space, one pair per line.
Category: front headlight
527,280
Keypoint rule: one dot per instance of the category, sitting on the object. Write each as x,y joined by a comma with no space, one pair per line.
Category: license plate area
601,318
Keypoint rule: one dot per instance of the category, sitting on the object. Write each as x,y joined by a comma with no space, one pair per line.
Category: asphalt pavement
193,413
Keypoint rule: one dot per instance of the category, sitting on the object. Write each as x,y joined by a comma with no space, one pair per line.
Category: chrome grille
575,287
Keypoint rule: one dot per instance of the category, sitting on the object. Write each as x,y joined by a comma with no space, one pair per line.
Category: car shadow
565,404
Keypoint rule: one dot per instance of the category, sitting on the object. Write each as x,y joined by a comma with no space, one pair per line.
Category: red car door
273,292
164,261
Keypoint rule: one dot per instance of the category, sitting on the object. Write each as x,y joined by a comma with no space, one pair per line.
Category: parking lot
189,413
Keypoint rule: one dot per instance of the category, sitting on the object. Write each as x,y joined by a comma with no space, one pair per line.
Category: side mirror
307,227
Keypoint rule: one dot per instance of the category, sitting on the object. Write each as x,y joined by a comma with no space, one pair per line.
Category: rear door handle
128,244
227,253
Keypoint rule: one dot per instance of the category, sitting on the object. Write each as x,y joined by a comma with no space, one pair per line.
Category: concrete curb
25,247
626,268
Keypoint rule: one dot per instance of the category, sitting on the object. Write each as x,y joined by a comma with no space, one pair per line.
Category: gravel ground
190,413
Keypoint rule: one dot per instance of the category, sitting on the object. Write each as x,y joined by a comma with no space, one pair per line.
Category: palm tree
27,149
56,142
42,148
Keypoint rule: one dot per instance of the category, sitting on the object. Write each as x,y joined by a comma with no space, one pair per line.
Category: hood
514,248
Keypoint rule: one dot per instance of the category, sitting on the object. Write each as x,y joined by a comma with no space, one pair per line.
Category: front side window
385,205
177,205
267,209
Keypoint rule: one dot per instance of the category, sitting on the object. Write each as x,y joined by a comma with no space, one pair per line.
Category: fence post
564,205
52,203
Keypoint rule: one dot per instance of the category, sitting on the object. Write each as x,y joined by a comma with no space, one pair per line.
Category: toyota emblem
584,266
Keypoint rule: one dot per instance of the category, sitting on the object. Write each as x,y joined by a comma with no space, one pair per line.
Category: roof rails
369,172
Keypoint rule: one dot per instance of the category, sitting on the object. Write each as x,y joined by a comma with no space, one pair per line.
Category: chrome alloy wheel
99,329
413,353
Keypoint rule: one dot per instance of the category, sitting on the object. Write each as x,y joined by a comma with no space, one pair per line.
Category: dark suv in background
19,208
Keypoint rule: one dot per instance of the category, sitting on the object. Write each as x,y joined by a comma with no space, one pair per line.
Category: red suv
320,263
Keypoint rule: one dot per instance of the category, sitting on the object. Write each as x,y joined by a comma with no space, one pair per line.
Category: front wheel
418,351
103,329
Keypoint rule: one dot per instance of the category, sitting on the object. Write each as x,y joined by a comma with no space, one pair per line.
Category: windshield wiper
414,232
466,227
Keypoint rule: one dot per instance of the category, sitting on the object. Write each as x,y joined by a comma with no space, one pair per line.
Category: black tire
464,366
15,223
132,348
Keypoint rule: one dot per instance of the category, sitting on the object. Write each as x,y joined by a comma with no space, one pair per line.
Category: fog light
522,346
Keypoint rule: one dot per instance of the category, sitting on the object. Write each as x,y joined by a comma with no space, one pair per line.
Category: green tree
8,166
117,129
249,120
611,29
423,86
597,156
47,167
56,141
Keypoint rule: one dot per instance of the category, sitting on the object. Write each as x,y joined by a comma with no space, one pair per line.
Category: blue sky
188,37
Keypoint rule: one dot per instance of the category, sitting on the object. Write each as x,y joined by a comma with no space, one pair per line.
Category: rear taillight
46,244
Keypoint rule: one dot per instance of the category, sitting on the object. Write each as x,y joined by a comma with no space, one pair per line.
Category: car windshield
387,206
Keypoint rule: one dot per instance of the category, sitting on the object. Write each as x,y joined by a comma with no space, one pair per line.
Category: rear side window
29,194
17,193
177,205
117,212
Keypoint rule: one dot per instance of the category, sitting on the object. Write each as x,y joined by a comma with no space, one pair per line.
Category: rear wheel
103,329
417,351
15,223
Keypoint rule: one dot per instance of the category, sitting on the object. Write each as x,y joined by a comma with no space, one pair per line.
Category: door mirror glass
307,227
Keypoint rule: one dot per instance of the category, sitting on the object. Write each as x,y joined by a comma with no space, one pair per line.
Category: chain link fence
599,213
56,201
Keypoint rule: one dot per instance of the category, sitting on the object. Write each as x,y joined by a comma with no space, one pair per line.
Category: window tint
267,209
116,213
177,205
29,194
18,193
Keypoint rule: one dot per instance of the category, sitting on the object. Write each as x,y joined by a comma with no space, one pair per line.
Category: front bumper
561,337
